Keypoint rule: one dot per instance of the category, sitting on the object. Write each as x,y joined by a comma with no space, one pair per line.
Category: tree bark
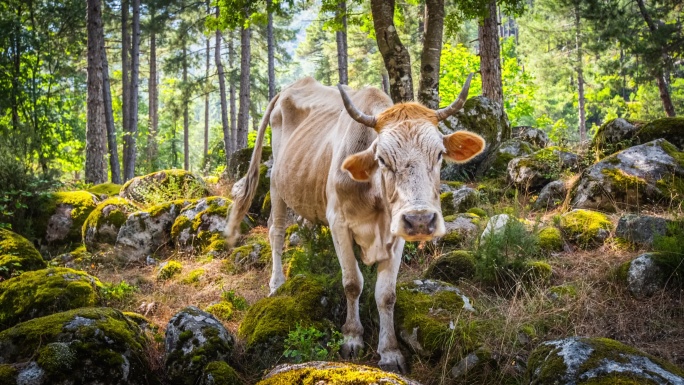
490,56
153,101
206,103
580,79
342,49
658,73
114,166
125,68
271,51
16,61
186,113
233,94
394,53
243,114
227,145
132,132
96,142
428,91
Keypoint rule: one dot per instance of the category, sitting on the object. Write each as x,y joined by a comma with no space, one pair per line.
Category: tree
114,166
271,50
131,131
227,137
153,92
125,73
428,91
96,167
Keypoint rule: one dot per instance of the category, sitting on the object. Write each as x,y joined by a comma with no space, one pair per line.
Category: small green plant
238,302
169,270
119,292
222,310
310,344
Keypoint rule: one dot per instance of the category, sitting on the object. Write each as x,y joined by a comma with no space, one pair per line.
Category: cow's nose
420,223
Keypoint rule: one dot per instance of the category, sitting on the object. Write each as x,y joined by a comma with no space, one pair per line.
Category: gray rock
636,176
466,364
532,135
199,221
516,147
496,224
534,171
613,136
551,196
644,276
640,229
465,198
459,232
103,224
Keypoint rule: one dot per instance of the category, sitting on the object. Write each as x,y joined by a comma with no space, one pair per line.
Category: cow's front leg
391,358
353,284
276,235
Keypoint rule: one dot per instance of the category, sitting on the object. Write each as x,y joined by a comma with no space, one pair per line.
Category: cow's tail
246,188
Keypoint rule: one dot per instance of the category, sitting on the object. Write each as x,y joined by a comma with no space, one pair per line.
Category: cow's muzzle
420,225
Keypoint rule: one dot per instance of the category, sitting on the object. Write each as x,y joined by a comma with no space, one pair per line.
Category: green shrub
117,293
222,310
310,344
238,302
169,270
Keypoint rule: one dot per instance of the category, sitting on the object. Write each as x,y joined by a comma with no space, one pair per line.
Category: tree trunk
222,91
271,51
428,92
580,79
186,116
395,55
658,73
132,132
125,68
233,94
490,56
16,61
153,101
243,114
96,131
206,103
342,49
114,166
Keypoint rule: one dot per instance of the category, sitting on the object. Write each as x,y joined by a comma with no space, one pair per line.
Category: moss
584,226
8,374
452,267
566,290
82,203
454,184
193,277
17,255
222,310
550,239
169,270
621,179
477,211
164,186
334,373
165,207
256,253
669,129
447,201
201,238
112,213
537,273
56,357
43,292
220,373
108,189
212,179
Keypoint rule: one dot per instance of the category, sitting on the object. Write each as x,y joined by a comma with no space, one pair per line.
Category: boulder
164,186
534,171
585,228
452,267
103,224
669,129
578,360
146,231
649,273
239,162
481,116
534,136
105,190
194,339
551,196
461,230
80,346
62,215
322,372
200,225
17,255
44,292
219,373
496,223
613,136
640,229
459,200
255,253
650,173
512,148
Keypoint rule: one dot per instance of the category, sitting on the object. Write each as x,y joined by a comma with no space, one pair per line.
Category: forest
127,128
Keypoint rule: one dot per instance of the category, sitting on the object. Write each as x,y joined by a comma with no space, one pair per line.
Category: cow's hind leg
353,284
276,235
385,296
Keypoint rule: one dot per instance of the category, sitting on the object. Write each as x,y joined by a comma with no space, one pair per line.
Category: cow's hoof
393,362
352,347
275,283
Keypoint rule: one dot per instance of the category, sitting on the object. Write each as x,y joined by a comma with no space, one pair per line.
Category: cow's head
408,153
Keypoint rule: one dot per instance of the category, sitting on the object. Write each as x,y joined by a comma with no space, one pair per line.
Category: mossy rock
452,267
534,171
17,255
83,346
105,190
613,136
461,231
200,225
585,228
650,273
302,299
670,129
493,190
255,253
339,373
550,239
44,292
260,208
512,148
595,361
220,373
103,224
551,196
426,313
315,253
62,215
164,186
537,273
534,136
194,339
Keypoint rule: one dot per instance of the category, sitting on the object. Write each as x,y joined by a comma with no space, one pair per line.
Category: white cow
369,173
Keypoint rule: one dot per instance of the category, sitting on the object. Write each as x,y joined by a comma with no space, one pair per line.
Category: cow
367,168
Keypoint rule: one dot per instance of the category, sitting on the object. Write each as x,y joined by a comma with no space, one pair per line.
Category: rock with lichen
585,228
62,215
669,129
105,190
613,136
486,118
650,173
254,253
164,186
200,225
452,267
144,232
459,200
80,346
534,171
103,224
640,229
17,255
461,231
578,360
322,372
510,149
532,135
195,339
44,292
551,196
650,273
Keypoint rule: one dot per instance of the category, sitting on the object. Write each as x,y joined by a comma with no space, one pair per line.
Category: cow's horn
354,112
451,109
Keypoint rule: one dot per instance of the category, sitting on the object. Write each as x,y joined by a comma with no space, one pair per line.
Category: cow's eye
439,157
382,162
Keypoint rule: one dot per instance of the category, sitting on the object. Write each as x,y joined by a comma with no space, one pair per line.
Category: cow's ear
461,146
361,165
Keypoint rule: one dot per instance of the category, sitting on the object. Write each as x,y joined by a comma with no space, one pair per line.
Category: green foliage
310,344
671,242
222,310
118,293
169,270
238,302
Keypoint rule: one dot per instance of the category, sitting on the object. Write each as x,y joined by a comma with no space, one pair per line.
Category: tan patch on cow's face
404,112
